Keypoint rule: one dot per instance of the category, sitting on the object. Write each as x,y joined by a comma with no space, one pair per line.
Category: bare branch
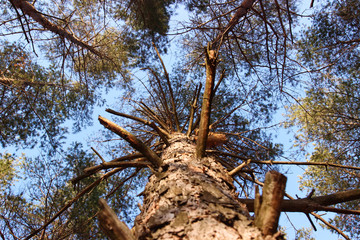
210,63
98,154
170,89
221,78
148,112
240,12
312,204
194,106
140,163
270,162
134,142
137,156
324,221
164,135
111,225
331,226
239,168
29,9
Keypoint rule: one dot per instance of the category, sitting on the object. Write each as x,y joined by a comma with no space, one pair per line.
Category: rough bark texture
267,216
192,198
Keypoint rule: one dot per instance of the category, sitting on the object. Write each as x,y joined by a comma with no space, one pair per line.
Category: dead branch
150,113
194,106
331,226
164,135
270,162
251,206
132,176
312,204
133,141
29,9
240,12
161,95
269,206
111,225
106,165
239,168
170,89
221,78
323,220
98,154
210,63
137,156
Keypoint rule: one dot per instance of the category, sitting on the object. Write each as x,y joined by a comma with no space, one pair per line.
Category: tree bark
191,198
268,212
111,225
210,64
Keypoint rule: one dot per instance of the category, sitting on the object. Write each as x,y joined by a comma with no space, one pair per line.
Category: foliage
36,101
48,190
304,234
238,120
328,116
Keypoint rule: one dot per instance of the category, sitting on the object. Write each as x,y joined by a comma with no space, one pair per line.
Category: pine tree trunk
192,199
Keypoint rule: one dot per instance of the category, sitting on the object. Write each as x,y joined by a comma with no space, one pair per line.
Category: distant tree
329,114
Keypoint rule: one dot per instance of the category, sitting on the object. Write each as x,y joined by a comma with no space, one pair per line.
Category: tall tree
196,157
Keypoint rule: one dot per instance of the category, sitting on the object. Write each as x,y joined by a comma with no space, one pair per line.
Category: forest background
289,93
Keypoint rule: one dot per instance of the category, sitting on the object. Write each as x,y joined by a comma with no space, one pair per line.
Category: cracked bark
191,198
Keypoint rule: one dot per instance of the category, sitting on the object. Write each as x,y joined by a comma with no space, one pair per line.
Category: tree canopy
328,115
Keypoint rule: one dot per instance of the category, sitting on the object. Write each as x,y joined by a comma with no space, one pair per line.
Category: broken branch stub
210,63
270,206
133,141
111,225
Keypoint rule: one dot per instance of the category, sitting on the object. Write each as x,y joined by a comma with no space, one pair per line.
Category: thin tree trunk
192,198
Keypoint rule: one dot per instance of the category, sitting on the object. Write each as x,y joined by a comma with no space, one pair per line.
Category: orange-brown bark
191,198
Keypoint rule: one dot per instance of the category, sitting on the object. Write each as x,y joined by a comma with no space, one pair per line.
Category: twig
170,89
122,182
102,159
239,168
148,112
